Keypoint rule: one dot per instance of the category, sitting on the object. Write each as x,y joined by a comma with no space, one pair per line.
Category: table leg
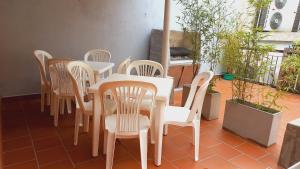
96,125
159,126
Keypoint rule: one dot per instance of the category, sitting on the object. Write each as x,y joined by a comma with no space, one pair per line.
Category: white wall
67,28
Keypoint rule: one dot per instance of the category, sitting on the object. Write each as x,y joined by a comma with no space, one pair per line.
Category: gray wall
67,28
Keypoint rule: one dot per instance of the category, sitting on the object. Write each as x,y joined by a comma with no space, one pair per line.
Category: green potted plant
290,72
252,110
203,22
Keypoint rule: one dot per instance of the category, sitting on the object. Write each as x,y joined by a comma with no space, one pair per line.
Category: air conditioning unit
281,15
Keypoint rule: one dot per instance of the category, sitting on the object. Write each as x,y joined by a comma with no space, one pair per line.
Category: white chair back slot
98,55
145,68
128,96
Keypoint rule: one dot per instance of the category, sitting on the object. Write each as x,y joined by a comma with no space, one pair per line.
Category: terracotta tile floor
30,141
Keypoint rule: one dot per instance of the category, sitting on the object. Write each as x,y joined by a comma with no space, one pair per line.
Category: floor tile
59,165
246,162
18,143
14,132
270,161
128,163
187,163
225,151
39,133
18,156
81,154
25,165
51,155
92,164
46,143
216,162
254,151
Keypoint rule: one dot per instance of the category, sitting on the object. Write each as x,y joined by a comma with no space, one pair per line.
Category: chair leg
77,122
86,123
143,148
152,128
68,100
110,150
105,141
56,109
42,99
52,109
196,138
62,106
166,129
48,98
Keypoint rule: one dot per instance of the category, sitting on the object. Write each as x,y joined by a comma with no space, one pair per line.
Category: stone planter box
211,106
251,123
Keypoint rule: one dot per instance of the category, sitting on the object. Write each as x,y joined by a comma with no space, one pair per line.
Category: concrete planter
251,123
211,106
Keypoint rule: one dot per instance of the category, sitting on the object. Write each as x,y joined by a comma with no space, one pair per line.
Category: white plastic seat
42,57
176,114
61,87
82,76
122,68
128,122
190,114
98,55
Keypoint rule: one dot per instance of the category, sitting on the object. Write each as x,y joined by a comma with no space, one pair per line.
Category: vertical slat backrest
98,55
82,76
123,66
60,78
196,96
128,96
145,68
42,57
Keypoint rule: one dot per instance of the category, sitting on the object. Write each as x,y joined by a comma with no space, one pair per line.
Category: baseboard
21,97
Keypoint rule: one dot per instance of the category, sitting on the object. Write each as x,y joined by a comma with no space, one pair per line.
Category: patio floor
30,141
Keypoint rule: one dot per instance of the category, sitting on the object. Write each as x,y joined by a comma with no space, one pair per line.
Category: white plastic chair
145,68
128,122
122,68
190,114
42,57
98,55
61,87
82,76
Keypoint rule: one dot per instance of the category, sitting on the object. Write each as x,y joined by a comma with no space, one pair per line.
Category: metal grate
272,74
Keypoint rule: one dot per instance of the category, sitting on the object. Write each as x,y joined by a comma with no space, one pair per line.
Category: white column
165,55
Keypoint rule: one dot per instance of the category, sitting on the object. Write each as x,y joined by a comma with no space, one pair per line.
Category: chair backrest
123,66
145,68
128,96
82,76
196,96
98,55
60,78
42,58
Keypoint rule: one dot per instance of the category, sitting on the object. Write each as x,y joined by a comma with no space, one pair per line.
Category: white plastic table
101,67
164,88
